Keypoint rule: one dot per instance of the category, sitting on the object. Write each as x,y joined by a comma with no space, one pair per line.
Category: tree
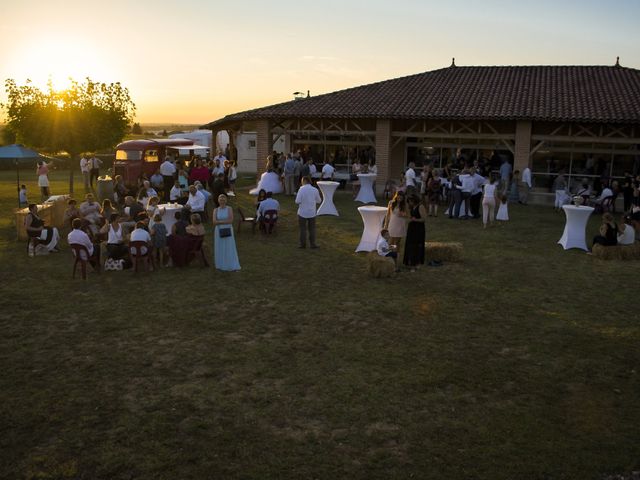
136,129
86,117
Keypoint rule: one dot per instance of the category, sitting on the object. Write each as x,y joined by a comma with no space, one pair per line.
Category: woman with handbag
225,254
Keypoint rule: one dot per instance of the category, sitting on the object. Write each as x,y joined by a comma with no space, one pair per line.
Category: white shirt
327,171
467,183
115,236
81,238
410,177
96,162
373,169
307,198
268,204
312,169
222,158
140,235
84,165
175,193
383,247
490,190
606,192
526,176
167,169
196,202
478,181
628,237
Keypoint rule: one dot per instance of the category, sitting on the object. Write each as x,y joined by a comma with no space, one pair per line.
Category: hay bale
380,267
618,252
443,251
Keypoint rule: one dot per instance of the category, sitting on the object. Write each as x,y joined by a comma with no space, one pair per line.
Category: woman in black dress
414,243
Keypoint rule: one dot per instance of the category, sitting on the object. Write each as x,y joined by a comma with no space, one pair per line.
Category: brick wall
383,152
263,145
523,145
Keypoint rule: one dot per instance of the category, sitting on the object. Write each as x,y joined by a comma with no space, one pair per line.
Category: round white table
366,194
327,207
169,215
372,217
574,235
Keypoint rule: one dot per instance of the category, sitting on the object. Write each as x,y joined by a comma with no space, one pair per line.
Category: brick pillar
264,144
523,145
383,152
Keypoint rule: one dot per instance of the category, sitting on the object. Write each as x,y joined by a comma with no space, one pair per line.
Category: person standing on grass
43,179
168,172
95,163
525,186
489,200
396,218
225,253
289,175
307,199
414,245
85,168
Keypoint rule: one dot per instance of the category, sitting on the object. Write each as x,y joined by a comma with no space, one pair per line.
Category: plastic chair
196,247
140,252
81,256
242,219
268,221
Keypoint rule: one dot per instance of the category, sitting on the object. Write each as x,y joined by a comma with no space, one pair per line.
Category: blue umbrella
19,154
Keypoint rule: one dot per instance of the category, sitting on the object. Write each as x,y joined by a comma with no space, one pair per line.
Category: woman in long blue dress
225,254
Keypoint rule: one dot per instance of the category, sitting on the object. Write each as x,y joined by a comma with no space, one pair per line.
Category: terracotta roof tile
553,93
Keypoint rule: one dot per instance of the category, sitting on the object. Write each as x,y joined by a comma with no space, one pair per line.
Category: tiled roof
608,94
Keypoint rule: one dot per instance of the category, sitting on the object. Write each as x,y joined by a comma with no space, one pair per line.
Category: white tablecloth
168,217
574,235
270,182
366,194
327,207
372,217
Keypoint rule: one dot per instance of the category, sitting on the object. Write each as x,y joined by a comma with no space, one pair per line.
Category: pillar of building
522,151
383,152
264,145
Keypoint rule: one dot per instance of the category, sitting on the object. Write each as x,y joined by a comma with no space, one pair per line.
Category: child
503,211
159,238
22,196
386,250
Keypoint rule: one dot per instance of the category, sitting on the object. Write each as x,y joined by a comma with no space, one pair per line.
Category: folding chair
242,219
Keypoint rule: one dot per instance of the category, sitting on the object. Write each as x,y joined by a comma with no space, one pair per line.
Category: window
252,144
128,155
150,156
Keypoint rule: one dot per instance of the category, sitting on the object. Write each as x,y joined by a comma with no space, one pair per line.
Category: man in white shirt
410,175
151,192
175,194
79,237
525,185
197,202
268,203
85,168
168,172
307,199
327,172
466,188
140,234
220,158
94,163
476,193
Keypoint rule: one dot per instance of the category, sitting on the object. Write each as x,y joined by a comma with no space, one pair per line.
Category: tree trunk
73,161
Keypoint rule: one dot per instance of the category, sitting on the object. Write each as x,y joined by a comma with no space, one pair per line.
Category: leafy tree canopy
87,116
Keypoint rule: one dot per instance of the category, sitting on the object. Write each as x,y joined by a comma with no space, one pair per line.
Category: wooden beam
571,138
536,148
485,136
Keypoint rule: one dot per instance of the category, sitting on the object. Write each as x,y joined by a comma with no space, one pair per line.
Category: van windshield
128,155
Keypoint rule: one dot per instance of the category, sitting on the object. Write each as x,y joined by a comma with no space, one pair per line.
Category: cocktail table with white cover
372,217
574,235
327,207
169,215
366,194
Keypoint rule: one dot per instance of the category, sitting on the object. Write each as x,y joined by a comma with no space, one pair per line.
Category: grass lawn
519,362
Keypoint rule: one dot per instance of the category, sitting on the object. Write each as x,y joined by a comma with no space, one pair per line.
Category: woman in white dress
396,219
489,199
225,254
503,210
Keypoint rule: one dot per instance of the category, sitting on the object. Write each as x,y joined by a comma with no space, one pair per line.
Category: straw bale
379,266
444,251
618,252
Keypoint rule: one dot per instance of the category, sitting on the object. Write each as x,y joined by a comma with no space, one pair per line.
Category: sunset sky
195,61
